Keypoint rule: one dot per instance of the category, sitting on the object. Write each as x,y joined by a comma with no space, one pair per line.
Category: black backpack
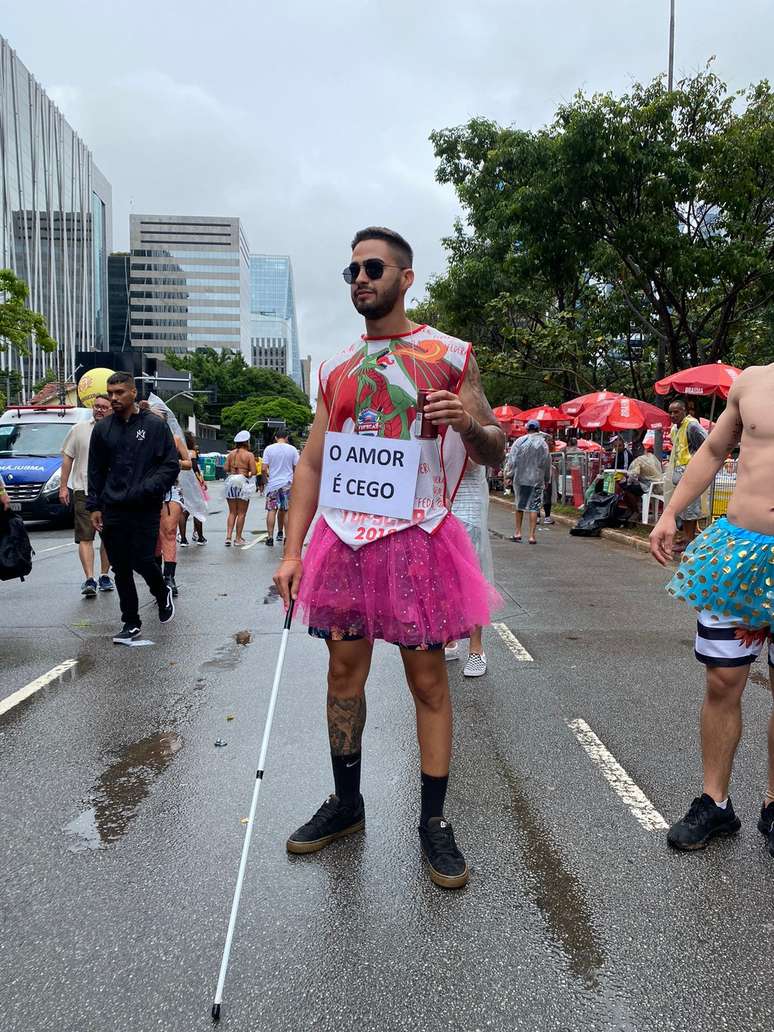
16,552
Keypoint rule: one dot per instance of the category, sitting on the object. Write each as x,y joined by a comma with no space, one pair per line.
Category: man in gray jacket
529,462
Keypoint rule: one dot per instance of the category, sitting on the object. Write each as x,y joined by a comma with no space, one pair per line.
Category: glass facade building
56,221
272,298
189,284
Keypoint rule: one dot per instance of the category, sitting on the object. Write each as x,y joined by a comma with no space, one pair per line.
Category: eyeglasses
373,268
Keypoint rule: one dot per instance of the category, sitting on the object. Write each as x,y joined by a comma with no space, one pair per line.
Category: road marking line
246,548
612,771
36,685
513,643
53,548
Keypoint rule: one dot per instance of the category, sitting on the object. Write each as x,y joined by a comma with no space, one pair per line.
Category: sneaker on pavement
166,606
169,580
452,652
476,665
105,583
89,587
766,825
270,542
448,867
280,536
704,820
332,821
183,542
200,540
548,521
127,633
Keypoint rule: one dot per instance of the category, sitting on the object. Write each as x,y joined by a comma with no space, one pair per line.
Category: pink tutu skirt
411,588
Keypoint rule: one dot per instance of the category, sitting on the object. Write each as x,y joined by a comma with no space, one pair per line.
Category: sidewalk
567,516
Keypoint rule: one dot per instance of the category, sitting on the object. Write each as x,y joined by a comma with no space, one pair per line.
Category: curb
610,535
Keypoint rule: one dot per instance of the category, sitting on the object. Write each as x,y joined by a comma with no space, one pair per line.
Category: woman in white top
471,507
240,485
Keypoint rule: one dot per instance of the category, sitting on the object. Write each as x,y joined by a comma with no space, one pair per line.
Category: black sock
346,776
169,569
433,796
158,561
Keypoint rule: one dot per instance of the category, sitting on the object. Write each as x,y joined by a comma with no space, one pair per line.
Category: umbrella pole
712,485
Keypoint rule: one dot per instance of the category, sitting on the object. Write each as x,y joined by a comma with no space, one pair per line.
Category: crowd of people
422,578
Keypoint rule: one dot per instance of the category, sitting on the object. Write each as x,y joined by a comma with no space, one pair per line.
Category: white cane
251,818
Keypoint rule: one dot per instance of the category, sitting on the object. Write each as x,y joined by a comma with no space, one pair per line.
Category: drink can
425,430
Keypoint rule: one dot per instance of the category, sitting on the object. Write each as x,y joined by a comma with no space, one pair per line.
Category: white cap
243,435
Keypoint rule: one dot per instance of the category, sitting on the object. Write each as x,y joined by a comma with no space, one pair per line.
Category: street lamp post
671,73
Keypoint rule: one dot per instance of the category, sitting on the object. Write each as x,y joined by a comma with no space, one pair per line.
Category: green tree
245,414
630,238
229,380
50,376
18,324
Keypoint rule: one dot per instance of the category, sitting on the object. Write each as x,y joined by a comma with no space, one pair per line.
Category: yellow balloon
91,384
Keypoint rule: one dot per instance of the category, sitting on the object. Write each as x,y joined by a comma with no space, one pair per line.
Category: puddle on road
118,792
227,657
556,891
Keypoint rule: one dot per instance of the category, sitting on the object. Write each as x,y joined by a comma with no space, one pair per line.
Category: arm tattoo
346,720
484,439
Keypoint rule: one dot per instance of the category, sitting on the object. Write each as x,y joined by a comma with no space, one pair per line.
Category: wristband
292,559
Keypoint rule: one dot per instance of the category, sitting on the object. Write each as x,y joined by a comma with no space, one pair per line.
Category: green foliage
632,237
229,379
17,323
11,388
244,414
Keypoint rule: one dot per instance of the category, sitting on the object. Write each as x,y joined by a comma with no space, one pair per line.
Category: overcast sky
310,119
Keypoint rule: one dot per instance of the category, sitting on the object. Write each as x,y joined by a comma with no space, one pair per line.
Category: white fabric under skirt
240,487
471,507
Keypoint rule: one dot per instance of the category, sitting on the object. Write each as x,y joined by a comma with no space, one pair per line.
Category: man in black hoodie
133,462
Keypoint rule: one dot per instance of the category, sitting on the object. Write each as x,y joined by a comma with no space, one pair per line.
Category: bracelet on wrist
292,559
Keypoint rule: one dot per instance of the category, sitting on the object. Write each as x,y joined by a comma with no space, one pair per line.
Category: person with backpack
15,548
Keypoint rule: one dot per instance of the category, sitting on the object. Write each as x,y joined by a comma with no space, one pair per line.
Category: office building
118,302
306,376
270,343
55,223
189,284
272,301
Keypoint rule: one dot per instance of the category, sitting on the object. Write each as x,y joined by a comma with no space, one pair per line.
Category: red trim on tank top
396,336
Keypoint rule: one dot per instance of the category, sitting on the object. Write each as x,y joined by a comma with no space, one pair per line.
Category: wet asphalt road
120,819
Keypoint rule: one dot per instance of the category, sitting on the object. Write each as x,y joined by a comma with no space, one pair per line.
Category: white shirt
281,460
76,447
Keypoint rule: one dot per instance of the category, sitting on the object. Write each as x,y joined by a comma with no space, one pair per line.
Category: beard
379,306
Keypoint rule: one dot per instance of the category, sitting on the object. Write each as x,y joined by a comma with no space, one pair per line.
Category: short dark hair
116,378
399,245
103,396
281,434
680,402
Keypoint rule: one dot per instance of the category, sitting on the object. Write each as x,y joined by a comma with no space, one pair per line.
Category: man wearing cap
529,462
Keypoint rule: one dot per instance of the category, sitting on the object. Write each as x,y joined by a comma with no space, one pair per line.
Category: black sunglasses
373,268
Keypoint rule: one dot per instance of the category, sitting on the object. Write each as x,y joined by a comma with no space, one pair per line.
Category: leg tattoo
346,720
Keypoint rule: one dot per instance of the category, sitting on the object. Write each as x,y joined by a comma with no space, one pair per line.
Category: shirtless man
727,574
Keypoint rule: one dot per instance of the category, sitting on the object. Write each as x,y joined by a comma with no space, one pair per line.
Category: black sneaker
89,587
766,825
166,606
270,542
127,634
280,536
704,820
200,540
332,821
169,580
447,864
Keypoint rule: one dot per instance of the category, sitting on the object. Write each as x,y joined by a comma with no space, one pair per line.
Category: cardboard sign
377,475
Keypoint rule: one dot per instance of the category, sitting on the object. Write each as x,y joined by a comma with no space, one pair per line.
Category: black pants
130,540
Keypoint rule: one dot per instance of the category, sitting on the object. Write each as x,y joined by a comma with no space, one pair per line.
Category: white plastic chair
655,494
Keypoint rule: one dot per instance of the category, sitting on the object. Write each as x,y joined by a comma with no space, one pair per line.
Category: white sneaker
452,652
476,665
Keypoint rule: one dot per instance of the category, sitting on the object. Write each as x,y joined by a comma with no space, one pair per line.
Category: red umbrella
715,378
623,414
546,415
505,413
586,445
577,405
517,429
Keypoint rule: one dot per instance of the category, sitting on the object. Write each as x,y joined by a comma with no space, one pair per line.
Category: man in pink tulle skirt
413,581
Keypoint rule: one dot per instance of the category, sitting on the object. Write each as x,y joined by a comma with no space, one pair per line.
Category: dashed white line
612,771
53,548
513,643
36,685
